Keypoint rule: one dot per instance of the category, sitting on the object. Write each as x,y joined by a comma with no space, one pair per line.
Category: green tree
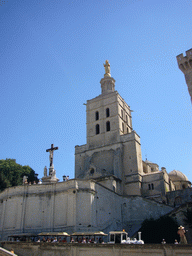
153,231
11,173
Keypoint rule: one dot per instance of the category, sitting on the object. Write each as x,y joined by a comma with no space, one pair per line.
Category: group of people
82,240
52,240
181,232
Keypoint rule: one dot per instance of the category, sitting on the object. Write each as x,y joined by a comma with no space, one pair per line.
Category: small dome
177,176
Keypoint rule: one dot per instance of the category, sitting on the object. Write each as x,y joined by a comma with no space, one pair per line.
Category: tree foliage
154,231
11,174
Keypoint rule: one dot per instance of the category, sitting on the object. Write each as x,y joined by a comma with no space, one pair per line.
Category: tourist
163,241
176,242
64,240
54,240
84,240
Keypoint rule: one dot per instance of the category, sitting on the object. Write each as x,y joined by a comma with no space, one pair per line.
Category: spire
107,83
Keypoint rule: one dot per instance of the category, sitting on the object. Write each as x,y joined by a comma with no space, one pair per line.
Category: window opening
107,112
96,115
108,126
97,129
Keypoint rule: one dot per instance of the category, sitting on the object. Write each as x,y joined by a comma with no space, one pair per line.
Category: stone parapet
49,249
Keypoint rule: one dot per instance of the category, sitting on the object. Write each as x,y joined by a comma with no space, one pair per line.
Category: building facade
113,188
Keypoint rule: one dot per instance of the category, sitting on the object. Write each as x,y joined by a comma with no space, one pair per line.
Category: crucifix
51,150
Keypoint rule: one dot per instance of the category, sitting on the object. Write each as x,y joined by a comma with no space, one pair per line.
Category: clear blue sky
52,55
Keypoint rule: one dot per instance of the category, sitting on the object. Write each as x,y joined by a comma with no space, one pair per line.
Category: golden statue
107,68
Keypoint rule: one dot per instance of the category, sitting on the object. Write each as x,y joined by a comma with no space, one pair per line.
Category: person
181,232
84,240
176,242
163,241
38,241
64,240
72,240
12,251
54,240
44,240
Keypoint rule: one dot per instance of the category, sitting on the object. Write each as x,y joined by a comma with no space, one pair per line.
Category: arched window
149,186
107,112
107,126
97,129
123,127
96,115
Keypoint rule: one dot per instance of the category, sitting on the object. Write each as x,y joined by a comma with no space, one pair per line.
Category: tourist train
115,237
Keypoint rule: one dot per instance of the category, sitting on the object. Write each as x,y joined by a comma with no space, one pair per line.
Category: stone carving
45,171
51,150
107,68
181,233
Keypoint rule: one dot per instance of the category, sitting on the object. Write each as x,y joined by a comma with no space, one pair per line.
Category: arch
97,115
97,129
107,126
107,112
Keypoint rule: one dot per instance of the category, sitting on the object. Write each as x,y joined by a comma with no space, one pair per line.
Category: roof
22,235
96,233
53,234
118,232
177,176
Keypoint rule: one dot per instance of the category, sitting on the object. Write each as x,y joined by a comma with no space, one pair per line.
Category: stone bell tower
112,148
185,65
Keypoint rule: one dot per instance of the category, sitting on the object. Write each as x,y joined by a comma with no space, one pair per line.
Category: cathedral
113,188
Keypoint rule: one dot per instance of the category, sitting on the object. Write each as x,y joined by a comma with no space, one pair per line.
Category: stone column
185,65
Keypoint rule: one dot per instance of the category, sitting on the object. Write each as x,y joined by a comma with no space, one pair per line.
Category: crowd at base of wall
47,249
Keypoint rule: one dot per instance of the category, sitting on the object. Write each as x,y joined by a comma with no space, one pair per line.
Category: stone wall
75,205
46,249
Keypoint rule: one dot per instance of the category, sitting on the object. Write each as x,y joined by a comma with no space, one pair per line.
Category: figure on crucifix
51,150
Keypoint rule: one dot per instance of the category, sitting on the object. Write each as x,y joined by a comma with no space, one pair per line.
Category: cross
51,150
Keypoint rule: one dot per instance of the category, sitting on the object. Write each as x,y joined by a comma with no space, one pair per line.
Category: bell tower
113,149
108,115
185,65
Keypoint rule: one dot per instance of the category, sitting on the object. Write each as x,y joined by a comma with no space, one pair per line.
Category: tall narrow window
126,119
97,129
107,112
123,127
122,113
149,186
152,186
107,126
96,115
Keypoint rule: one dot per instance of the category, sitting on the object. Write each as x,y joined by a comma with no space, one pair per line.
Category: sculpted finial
107,68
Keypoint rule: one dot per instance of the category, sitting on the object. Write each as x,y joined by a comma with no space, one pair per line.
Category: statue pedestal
51,178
